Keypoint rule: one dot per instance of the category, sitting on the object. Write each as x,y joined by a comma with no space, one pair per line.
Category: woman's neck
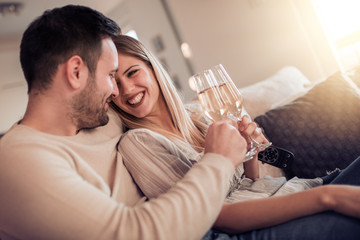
161,118
164,122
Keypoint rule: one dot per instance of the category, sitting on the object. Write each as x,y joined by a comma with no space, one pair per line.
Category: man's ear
76,71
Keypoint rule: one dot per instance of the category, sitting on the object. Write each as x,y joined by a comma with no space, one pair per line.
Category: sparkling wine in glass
220,98
209,95
232,97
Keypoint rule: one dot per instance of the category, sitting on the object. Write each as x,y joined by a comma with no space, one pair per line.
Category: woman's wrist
327,197
251,168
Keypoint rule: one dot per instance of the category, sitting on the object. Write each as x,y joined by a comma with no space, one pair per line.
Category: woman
164,142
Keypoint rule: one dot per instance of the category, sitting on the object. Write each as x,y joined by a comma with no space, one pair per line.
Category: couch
318,121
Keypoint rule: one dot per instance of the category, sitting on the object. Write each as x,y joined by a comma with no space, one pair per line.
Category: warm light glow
192,84
132,33
186,50
340,20
341,17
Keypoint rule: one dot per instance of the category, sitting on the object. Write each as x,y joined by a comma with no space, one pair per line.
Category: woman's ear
76,72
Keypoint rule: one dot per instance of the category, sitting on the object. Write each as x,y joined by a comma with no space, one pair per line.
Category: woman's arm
251,168
154,162
255,214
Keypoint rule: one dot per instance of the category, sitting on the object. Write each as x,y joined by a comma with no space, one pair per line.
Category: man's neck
49,116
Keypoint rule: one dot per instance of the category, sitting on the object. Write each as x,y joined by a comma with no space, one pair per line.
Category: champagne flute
209,95
233,98
220,98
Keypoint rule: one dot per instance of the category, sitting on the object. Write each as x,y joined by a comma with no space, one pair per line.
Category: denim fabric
350,175
327,225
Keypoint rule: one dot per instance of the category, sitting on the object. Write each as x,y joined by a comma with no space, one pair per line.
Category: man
60,174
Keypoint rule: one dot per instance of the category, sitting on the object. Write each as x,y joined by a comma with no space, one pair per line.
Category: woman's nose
126,87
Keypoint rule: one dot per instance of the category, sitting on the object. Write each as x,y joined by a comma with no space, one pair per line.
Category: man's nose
115,89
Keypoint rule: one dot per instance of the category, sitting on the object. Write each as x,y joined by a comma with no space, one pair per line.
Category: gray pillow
322,128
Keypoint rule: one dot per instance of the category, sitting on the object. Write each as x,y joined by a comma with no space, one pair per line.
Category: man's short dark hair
59,34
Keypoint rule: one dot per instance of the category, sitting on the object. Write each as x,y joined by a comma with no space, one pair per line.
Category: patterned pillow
322,128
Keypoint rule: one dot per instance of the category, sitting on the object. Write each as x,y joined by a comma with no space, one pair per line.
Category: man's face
91,104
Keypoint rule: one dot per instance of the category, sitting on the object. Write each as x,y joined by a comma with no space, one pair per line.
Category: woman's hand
250,129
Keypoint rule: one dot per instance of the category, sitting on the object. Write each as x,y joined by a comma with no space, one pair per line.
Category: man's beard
89,107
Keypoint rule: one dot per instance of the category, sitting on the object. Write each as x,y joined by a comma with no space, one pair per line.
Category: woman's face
138,88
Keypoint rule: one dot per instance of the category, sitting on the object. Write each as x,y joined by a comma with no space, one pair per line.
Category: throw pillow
281,88
321,128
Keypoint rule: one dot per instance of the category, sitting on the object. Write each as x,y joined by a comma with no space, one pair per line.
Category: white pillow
281,88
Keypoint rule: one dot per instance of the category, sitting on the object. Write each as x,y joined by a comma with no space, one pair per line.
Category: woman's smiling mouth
136,99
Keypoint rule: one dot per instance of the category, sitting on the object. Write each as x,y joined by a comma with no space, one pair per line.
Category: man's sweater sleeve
189,208
47,198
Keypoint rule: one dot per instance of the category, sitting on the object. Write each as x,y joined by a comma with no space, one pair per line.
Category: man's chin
102,121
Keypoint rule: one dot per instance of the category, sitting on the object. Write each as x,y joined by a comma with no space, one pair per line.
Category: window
340,20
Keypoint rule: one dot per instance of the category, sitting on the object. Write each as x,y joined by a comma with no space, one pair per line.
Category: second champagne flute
234,101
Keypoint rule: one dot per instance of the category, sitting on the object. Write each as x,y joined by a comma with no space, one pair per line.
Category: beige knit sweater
156,164
55,187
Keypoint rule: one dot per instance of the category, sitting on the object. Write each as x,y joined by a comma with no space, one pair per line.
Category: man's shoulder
21,145
21,137
17,134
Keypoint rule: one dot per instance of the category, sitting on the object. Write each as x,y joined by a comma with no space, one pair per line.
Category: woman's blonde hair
193,131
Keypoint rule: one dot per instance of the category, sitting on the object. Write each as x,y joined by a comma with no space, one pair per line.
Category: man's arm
44,196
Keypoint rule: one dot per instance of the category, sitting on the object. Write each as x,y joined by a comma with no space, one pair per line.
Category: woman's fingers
243,124
250,129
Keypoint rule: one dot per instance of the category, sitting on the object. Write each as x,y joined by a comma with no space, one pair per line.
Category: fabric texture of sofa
321,128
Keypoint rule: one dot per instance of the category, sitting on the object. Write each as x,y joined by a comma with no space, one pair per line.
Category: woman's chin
140,115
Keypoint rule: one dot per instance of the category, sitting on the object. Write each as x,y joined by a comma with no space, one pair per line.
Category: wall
13,97
254,38
149,20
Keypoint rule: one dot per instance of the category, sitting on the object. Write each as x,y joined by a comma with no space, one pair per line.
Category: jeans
350,175
326,225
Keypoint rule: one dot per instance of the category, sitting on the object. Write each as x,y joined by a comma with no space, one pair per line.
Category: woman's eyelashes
128,75
132,72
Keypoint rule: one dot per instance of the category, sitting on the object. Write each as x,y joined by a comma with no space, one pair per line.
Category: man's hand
223,138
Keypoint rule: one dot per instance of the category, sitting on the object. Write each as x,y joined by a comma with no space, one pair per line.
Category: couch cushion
322,128
281,88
